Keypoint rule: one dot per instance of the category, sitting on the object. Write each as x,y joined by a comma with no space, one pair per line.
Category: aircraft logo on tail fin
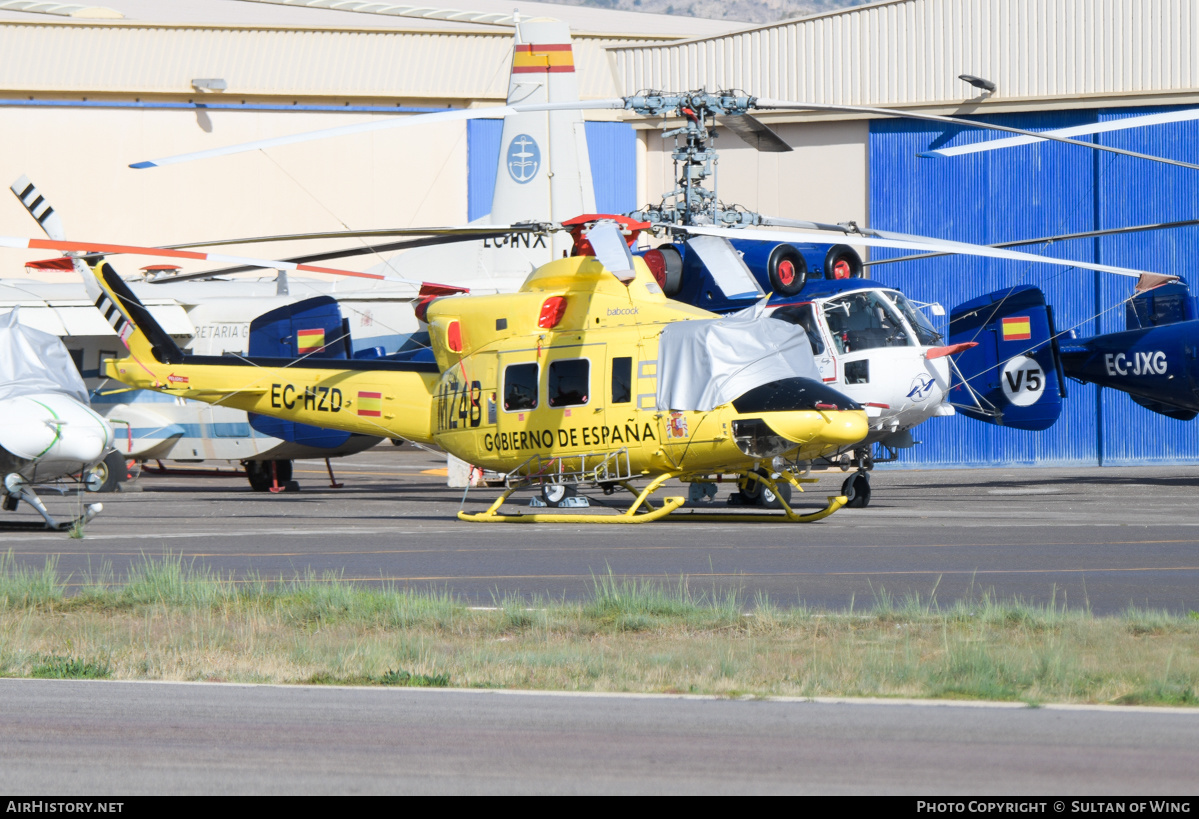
524,158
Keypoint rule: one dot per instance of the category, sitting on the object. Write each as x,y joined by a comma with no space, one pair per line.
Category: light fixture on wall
979,83
210,85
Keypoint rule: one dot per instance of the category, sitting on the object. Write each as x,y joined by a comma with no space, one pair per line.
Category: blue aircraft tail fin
1013,377
1167,304
313,328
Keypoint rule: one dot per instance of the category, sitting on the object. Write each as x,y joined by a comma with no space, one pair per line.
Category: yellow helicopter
587,376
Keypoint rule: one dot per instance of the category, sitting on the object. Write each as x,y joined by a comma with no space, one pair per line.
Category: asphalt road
66,737
1103,538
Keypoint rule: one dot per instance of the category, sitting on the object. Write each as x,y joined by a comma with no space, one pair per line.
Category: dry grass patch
172,621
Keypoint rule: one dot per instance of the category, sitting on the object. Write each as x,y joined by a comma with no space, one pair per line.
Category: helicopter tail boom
392,399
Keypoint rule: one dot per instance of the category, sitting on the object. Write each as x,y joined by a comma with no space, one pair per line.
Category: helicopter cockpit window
805,317
520,387
864,321
570,382
925,333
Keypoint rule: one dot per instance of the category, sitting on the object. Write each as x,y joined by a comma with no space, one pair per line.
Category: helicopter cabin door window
570,382
622,380
520,387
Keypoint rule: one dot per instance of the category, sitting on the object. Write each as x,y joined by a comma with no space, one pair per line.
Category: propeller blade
1043,240
755,133
101,248
333,254
466,232
763,102
38,207
882,238
456,115
1078,130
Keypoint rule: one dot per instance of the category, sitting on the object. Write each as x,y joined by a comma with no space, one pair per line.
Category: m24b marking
459,407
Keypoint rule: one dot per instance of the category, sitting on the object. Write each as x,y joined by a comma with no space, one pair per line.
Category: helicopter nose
838,427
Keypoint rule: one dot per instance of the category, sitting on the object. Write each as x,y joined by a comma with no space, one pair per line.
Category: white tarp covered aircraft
47,431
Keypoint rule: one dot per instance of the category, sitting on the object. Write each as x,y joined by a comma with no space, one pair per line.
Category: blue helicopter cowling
780,268
1013,370
312,328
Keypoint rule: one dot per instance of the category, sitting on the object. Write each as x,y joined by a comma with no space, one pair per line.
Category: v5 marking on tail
1012,377
314,391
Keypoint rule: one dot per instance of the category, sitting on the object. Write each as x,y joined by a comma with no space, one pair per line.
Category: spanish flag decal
545,58
1017,328
309,341
370,404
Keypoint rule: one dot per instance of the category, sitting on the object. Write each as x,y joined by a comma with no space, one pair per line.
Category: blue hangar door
1041,190
612,146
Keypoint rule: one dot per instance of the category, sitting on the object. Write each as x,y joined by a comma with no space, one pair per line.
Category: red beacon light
552,310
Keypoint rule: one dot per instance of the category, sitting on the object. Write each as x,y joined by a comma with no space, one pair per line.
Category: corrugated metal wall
147,59
1033,191
612,146
911,52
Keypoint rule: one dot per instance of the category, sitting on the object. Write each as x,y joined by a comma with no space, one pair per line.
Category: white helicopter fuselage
872,344
46,436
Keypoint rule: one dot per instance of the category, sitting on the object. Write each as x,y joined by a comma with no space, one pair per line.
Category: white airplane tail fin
544,171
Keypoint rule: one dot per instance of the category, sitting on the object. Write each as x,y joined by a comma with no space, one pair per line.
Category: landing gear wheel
758,494
857,489
555,493
259,474
109,472
770,500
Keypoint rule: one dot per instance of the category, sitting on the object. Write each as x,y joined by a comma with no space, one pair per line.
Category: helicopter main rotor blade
755,133
883,238
1077,130
333,254
762,102
466,232
456,115
1086,234
103,248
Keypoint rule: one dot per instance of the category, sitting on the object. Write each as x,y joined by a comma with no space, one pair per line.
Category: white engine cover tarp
705,363
32,361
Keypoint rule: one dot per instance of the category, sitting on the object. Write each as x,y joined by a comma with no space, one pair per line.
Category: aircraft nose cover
705,363
35,362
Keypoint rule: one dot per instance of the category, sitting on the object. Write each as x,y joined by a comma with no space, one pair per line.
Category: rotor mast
695,158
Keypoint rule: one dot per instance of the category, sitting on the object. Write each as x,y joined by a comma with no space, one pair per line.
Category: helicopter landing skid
643,511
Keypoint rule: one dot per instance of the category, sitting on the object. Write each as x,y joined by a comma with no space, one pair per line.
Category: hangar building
81,96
